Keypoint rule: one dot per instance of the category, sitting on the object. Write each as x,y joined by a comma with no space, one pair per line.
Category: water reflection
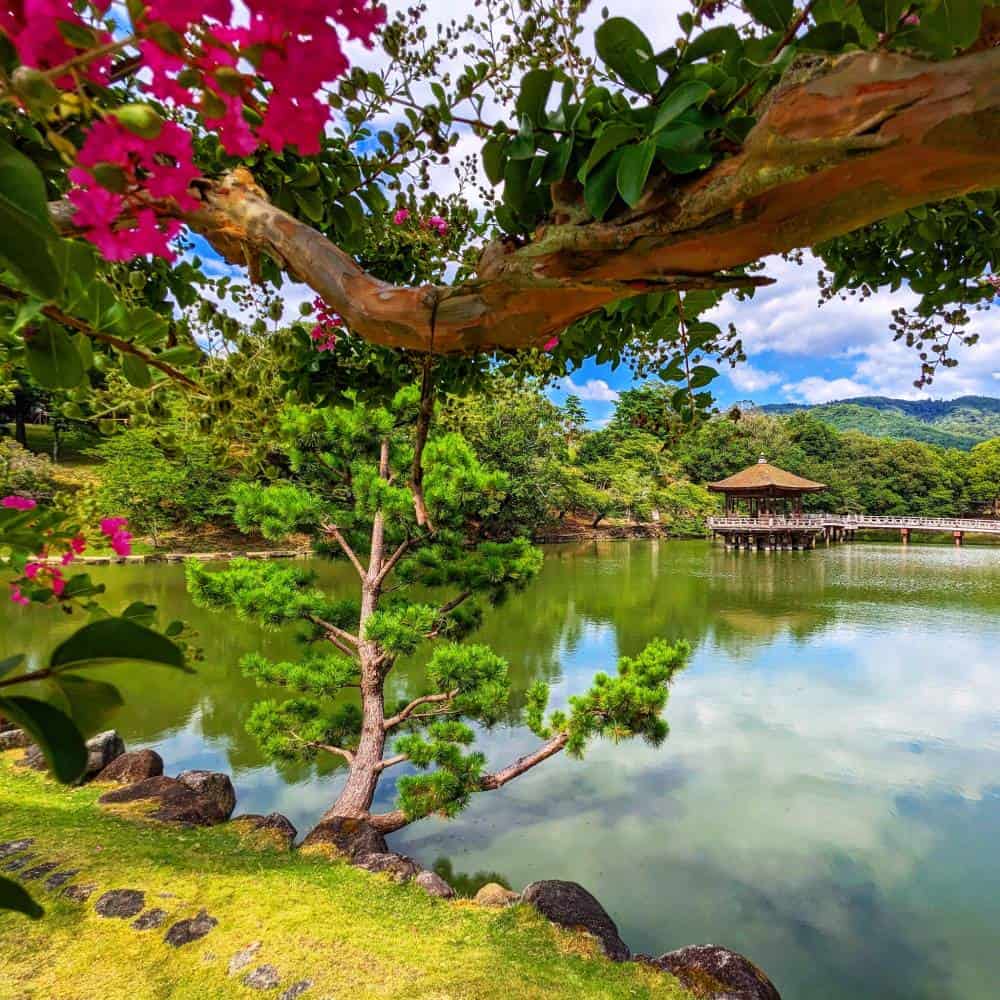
827,802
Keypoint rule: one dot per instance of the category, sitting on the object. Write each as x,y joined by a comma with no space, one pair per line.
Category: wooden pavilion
764,509
766,490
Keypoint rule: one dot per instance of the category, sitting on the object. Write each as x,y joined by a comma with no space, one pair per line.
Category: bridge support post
958,535
904,535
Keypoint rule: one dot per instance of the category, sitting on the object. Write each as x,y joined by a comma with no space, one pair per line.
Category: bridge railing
853,522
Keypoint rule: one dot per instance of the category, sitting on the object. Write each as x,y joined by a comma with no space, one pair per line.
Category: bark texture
841,144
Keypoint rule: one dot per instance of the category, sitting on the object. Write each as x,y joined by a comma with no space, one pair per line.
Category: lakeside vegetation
174,478
258,894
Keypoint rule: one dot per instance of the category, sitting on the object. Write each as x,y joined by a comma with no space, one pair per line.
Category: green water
828,801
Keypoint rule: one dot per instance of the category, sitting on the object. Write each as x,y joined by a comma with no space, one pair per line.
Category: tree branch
390,563
490,782
389,822
338,636
334,532
391,761
424,417
427,699
869,135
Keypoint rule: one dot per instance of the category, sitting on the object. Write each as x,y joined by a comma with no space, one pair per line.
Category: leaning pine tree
403,510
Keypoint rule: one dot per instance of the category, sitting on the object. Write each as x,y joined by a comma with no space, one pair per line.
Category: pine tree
370,485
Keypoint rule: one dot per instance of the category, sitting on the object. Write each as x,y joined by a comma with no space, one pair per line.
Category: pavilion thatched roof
761,477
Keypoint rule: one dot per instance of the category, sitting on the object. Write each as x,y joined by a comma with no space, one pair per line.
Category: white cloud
594,389
746,378
815,389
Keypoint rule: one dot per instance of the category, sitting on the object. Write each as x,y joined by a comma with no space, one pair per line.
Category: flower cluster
435,222
161,165
324,333
115,530
252,71
18,503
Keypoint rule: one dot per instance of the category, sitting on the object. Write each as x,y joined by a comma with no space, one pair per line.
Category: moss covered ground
352,933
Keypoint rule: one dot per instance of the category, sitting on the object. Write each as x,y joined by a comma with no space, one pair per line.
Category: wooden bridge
803,531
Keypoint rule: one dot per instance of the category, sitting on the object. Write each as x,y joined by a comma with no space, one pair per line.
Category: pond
828,800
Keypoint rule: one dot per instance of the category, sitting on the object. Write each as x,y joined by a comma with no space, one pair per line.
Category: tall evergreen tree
405,515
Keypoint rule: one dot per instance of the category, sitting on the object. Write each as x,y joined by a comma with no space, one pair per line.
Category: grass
354,934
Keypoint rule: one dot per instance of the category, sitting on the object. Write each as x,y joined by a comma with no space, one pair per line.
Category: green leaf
680,162
688,94
493,161
13,897
681,136
773,14
78,35
53,731
53,359
633,169
117,640
882,15
310,202
831,36
139,611
136,371
701,375
611,138
601,186
22,182
11,663
90,703
709,42
535,86
24,248
955,22
626,50
522,147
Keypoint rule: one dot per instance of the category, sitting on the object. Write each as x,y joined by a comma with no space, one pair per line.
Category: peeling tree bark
870,135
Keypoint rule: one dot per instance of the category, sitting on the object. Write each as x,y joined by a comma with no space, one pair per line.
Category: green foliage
323,675
299,728
24,473
161,478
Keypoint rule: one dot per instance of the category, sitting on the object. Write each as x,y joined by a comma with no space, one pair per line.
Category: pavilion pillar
958,535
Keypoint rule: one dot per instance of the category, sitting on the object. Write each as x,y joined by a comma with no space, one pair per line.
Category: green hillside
951,423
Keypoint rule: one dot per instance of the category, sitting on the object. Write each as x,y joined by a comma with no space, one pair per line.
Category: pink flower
401,216
67,557
436,222
912,20
78,544
551,345
18,598
56,581
31,570
109,525
121,542
18,503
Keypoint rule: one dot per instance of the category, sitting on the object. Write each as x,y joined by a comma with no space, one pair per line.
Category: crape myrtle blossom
18,503
210,56
324,333
114,528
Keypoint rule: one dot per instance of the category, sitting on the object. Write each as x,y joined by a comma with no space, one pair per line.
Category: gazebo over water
766,490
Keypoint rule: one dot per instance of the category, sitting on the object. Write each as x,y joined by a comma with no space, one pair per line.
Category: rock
102,749
212,786
716,973
79,893
272,830
494,894
15,846
397,866
13,866
296,990
150,919
192,929
345,835
132,766
243,957
14,739
177,801
264,977
120,903
60,878
37,871
570,905
434,885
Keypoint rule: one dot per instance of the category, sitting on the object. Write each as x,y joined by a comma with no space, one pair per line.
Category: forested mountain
951,423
